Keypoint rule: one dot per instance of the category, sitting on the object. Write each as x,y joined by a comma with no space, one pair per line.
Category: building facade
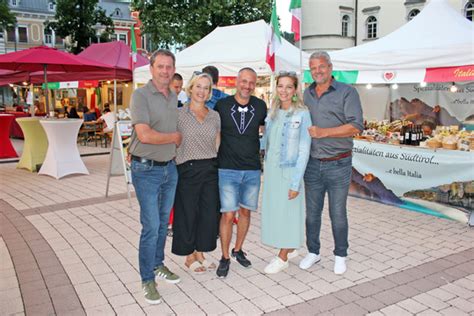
31,16
338,24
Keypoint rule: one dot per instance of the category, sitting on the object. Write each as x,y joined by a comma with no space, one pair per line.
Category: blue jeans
155,187
334,178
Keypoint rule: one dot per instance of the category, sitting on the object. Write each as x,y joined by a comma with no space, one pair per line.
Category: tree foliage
7,18
290,37
178,22
77,19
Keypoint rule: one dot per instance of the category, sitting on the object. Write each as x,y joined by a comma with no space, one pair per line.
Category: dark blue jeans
155,187
334,178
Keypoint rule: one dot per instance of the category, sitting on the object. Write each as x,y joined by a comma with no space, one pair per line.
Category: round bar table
62,157
6,147
36,143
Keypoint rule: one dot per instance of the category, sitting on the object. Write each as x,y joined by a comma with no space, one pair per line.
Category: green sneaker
164,273
151,294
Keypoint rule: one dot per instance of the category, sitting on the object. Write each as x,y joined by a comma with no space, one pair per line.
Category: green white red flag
133,47
295,9
275,39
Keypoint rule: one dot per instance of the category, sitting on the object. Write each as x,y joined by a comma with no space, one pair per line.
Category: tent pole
115,97
45,70
32,105
301,49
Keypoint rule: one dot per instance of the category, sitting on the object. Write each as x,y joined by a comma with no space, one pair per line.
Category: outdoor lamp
11,85
453,88
394,86
368,86
25,83
98,30
422,84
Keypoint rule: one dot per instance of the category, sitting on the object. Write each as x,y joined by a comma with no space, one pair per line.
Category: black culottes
196,207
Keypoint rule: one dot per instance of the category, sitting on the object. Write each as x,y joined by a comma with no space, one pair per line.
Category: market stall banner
72,84
454,107
226,81
422,178
389,76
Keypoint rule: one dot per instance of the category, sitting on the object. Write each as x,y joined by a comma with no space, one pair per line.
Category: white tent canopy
437,37
231,48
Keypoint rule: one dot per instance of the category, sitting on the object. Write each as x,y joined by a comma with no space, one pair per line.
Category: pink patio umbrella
43,58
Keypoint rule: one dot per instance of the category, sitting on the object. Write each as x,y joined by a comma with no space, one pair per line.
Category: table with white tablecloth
62,157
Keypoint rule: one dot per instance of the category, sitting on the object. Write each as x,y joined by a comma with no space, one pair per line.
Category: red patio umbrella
43,58
9,76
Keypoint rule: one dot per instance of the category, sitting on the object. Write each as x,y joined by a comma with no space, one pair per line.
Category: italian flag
133,46
295,9
275,39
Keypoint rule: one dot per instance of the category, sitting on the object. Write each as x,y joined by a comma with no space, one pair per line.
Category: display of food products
406,133
451,138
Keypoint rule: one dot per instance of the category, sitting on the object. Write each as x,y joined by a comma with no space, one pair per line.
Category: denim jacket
295,146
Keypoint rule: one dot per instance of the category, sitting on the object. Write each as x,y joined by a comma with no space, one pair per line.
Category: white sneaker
293,254
339,265
309,260
276,265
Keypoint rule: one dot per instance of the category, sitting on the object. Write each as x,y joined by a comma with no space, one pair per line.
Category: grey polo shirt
337,106
151,107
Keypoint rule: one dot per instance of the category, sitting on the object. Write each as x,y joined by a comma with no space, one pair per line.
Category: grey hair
321,54
162,52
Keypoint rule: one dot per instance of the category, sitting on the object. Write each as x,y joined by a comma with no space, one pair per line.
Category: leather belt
151,162
337,157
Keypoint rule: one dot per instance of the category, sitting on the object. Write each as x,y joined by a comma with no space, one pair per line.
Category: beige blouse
199,139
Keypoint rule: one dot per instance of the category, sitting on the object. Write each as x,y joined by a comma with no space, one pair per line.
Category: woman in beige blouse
195,225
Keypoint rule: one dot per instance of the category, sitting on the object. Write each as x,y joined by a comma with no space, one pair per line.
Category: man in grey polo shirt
154,176
336,114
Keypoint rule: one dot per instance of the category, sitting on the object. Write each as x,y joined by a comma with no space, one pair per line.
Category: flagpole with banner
296,28
275,39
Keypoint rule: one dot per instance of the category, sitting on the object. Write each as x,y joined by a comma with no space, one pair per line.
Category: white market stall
231,48
436,48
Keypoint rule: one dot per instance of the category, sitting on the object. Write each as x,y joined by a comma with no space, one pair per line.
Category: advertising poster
438,182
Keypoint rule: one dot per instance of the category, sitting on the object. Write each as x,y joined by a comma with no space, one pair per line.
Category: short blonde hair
195,78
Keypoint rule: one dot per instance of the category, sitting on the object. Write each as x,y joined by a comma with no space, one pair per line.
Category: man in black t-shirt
239,164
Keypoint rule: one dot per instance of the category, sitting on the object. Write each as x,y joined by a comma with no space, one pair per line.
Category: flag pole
301,49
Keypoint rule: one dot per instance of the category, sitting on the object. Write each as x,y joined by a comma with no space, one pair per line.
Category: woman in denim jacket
287,143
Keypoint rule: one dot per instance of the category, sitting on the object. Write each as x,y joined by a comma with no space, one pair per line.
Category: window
113,37
18,34
14,3
11,34
345,26
123,38
412,14
469,10
117,13
48,36
51,6
22,34
371,27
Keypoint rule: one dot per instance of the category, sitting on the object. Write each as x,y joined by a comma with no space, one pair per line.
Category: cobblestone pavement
65,249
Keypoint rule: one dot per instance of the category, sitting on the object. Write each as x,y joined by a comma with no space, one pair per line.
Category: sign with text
391,174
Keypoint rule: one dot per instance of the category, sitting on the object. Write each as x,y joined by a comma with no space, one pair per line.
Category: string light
422,84
453,88
394,86
368,86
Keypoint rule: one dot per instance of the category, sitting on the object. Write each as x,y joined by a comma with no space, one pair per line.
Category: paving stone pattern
67,250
